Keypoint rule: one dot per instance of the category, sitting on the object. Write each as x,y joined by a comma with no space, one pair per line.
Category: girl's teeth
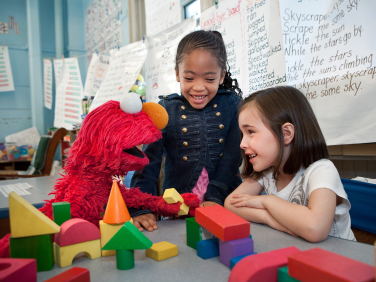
198,97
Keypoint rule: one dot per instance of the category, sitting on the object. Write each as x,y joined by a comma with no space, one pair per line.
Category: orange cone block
116,211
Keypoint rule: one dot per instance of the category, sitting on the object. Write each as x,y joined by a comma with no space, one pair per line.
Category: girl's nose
243,144
198,86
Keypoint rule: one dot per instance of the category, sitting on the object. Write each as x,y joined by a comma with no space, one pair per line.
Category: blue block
235,260
208,248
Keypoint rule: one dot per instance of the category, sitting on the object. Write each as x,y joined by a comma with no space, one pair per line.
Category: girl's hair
278,106
211,41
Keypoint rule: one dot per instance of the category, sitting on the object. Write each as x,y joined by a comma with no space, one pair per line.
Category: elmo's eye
131,103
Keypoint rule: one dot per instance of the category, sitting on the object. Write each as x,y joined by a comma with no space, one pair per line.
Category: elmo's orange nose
157,113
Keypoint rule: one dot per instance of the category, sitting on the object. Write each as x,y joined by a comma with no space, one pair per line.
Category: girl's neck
284,179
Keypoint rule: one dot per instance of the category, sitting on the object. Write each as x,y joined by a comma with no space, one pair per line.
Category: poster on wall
96,73
161,14
6,77
329,49
47,71
160,64
255,52
125,65
69,94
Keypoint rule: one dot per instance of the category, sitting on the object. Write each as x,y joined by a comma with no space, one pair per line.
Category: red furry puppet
106,147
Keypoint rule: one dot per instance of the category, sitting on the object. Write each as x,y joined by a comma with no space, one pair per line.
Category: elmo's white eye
131,103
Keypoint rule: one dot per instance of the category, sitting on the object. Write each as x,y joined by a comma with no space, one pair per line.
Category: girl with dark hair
202,137
285,155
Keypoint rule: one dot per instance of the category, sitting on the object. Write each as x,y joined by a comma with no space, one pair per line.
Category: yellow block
107,232
26,220
171,196
64,255
184,209
162,250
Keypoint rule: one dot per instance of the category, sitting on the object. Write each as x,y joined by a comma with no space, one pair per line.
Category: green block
61,212
194,232
124,259
128,238
34,247
283,275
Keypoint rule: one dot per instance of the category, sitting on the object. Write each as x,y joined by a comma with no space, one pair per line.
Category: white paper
47,71
28,136
69,94
6,77
125,66
18,188
160,64
161,15
329,48
96,73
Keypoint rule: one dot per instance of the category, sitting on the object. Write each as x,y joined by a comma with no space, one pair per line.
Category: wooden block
320,265
124,259
61,212
184,209
64,255
261,267
208,248
135,239
171,196
116,210
193,230
107,232
235,260
224,224
76,230
24,270
283,275
162,250
234,248
26,220
75,274
34,247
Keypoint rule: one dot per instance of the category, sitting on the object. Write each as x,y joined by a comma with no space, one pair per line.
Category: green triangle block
128,238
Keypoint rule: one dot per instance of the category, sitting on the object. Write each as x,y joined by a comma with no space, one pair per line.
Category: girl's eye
188,78
210,79
250,131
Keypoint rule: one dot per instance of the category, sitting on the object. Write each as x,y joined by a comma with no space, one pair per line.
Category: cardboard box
19,152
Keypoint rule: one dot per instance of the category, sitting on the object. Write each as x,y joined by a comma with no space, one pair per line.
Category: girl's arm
312,223
251,187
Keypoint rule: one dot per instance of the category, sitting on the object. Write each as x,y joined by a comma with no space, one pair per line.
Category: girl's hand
245,200
208,204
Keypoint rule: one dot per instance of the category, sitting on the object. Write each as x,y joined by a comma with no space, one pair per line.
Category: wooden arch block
18,270
26,220
64,255
76,231
261,267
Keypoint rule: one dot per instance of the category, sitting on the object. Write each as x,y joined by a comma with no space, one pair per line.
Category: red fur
96,156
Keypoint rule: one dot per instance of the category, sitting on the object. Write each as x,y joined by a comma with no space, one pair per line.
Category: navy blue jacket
193,139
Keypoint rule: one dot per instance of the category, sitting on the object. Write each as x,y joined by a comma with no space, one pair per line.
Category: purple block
234,248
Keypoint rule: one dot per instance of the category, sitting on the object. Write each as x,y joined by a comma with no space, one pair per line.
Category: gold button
215,105
185,158
182,107
185,144
220,141
184,117
185,130
218,114
221,126
221,155
228,90
164,96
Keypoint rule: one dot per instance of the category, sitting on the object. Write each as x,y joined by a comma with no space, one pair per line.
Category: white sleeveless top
320,174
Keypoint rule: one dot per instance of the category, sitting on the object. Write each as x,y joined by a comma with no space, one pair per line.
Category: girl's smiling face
258,142
200,76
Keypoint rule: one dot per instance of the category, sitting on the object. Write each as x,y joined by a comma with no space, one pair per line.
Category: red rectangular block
321,265
12,269
222,223
75,274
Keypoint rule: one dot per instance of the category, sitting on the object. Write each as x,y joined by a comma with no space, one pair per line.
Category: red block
222,223
321,265
18,270
75,274
76,230
261,267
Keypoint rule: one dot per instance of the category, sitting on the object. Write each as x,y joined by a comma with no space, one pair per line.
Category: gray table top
187,266
42,186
